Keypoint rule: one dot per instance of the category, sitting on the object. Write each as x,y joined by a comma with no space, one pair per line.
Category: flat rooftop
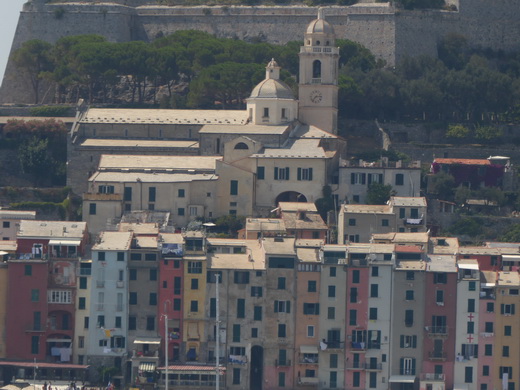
113,241
139,143
243,129
140,162
52,229
149,177
408,201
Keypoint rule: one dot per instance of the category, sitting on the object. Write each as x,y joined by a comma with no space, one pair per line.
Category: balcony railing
237,359
430,377
334,344
309,360
85,272
373,366
308,380
437,331
437,356
355,365
358,346
282,363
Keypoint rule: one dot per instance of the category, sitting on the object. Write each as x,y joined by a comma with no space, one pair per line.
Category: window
153,299
83,283
333,361
439,297
311,286
260,173
281,379
490,307
194,306
153,275
399,179
236,333
408,318
352,317
241,277
194,284
35,345
86,322
136,256
471,306
356,379
440,278
316,67
407,366
151,194
410,275
282,306
506,370
470,351
385,222
304,174
332,272
282,330
281,283
133,273
355,276
472,286
505,351
127,197
233,187
180,211
257,316
28,270
470,328
409,295
311,308
513,291
372,313
150,256
468,374
352,222
92,208
507,330
59,296
358,178
374,290
488,327
118,323
194,267
310,330
133,298
353,295
181,193
6,224
266,112
331,313
485,370
332,292
256,291
101,321
150,323
101,256
236,376
507,310
281,173
488,350
241,308
35,295
254,332
408,341
375,271
82,303
177,304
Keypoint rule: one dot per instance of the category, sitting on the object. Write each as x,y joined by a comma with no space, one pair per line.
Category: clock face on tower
316,96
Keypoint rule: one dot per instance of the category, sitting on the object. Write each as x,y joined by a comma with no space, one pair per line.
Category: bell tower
318,82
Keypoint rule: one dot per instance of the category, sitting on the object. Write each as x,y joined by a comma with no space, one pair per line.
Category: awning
59,340
510,257
148,340
147,367
473,265
402,379
3,253
308,349
65,242
461,386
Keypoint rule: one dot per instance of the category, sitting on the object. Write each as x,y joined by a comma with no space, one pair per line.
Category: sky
9,12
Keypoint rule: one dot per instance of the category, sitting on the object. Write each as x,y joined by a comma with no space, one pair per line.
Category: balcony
430,377
373,366
437,331
308,381
100,283
437,356
309,360
282,363
237,359
355,365
358,346
334,344
313,49
413,221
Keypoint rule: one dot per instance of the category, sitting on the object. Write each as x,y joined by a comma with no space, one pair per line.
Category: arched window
241,146
316,69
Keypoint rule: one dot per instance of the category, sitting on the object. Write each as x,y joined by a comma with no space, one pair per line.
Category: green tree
462,194
35,159
441,184
33,59
457,131
379,193
512,234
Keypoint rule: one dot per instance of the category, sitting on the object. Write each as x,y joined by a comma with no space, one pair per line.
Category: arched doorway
257,368
290,196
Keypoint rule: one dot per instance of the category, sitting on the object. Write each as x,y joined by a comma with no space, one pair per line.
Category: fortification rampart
388,32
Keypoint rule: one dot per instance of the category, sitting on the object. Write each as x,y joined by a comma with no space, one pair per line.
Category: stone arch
241,146
316,69
290,196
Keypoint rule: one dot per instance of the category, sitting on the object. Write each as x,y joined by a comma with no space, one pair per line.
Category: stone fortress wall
390,33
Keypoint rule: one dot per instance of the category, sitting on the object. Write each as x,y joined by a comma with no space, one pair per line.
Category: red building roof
464,161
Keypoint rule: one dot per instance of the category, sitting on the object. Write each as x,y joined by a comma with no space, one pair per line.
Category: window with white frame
59,296
305,174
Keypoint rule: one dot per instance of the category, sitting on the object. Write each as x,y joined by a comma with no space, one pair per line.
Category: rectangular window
352,222
233,187
153,274
353,295
408,318
241,308
374,290
92,209
118,323
352,317
254,333
281,283
85,322
256,291
375,271
488,327
399,179
490,307
260,173
282,330
355,276
266,112
305,174
180,211
35,295
282,306
440,278
488,350
177,304
358,178
310,330
372,313
333,361
356,379
505,351
132,298
472,286
311,286
439,297
331,313
194,306
241,277
281,173
507,310
150,323
151,194
6,224
35,345
332,292
332,272
194,284
127,197
194,267
468,374
181,193
28,270
236,376
281,379
236,333
133,273
408,341
470,327
311,308
409,295
507,330
101,321
385,222
485,370
257,315
153,299
83,283
82,303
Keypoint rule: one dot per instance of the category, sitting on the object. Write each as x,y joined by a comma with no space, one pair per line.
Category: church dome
320,25
272,88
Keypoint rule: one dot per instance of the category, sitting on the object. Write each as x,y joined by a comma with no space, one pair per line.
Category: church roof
272,88
320,25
